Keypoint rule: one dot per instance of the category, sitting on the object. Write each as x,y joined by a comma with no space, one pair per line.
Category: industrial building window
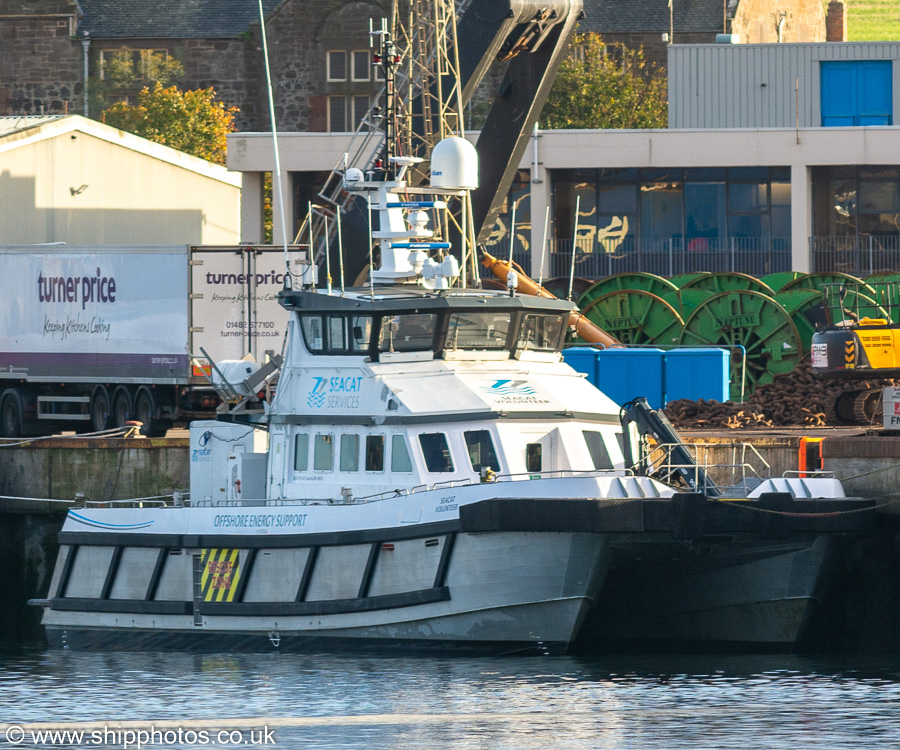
346,112
362,68
856,92
436,452
337,65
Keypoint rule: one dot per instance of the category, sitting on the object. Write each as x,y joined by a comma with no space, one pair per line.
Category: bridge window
541,332
436,452
534,458
474,330
345,335
481,450
407,333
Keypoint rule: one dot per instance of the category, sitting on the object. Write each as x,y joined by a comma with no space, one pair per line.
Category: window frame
328,73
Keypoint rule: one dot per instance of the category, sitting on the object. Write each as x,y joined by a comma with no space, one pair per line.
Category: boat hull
501,592
746,594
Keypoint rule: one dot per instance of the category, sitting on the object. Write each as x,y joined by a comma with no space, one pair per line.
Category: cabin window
477,330
374,452
349,452
323,453
597,449
301,451
436,452
360,333
541,332
400,460
481,450
312,332
407,333
534,461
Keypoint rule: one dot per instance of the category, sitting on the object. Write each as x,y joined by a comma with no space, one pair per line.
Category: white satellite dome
454,164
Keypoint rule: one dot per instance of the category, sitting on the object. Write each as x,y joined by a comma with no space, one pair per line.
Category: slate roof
653,16
170,19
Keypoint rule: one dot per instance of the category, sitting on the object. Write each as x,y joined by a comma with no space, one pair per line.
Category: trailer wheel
145,411
11,415
123,406
100,410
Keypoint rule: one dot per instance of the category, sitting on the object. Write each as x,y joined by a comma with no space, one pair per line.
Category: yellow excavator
856,345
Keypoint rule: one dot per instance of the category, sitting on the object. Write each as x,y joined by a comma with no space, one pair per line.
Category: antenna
278,190
574,246
544,248
340,248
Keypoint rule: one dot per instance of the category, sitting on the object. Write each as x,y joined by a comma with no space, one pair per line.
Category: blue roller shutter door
857,92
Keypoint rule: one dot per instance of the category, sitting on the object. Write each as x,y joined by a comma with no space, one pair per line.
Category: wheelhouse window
481,450
540,332
349,452
374,452
337,334
476,330
400,460
323,453
534,459
436,452
407,333
301,452
597,449
313,333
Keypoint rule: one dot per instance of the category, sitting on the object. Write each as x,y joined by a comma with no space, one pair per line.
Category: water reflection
330,701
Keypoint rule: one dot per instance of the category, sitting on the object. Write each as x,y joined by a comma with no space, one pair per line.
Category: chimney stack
836,22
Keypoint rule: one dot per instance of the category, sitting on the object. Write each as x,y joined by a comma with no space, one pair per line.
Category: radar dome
454,164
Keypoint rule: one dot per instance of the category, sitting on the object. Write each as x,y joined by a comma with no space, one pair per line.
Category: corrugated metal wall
755,85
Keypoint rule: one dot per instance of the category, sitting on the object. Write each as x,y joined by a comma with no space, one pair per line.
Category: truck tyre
100,409
11,415
145,411
122,406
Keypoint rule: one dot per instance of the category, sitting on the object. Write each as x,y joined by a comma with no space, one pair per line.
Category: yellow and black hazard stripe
221,574
850,354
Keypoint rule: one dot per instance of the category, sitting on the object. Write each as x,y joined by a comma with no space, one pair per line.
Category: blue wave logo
316,396
509,388
110,526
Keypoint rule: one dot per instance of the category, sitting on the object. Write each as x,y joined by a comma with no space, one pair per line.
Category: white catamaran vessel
429,474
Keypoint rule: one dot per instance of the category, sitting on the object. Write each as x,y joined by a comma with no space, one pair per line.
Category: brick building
319,54
644,23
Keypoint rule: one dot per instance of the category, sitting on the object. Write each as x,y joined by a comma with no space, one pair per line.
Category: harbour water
338,701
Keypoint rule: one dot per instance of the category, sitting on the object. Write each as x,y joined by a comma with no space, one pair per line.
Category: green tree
597,90
126,71
191,121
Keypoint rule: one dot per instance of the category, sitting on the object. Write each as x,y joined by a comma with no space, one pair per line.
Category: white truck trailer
92,337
